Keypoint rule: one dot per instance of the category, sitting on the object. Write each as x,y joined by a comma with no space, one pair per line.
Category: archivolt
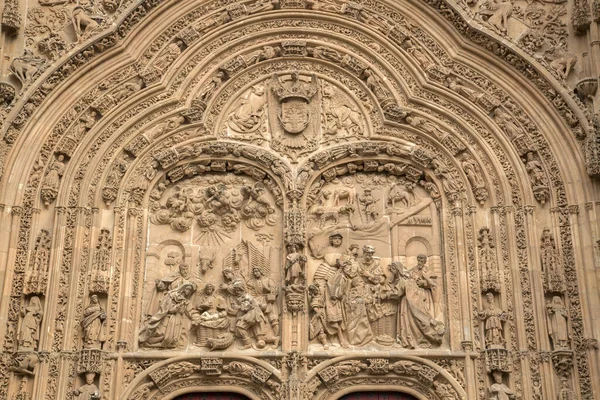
254,378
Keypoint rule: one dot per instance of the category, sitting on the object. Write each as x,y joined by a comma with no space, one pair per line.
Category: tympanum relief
293,112
374,260
215,240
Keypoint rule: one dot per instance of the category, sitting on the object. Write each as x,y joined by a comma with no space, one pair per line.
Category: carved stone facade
296,199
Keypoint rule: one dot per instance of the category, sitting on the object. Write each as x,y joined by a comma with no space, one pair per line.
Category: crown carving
295,88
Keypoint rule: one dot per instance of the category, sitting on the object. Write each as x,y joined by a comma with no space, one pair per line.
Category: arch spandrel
279,125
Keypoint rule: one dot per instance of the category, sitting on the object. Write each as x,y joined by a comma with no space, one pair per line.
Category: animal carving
497,13
205,262
342,194
402,194
325,214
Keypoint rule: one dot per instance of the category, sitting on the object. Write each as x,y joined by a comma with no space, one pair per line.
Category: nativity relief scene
299,199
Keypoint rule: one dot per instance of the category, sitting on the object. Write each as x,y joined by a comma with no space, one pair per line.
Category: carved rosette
7,93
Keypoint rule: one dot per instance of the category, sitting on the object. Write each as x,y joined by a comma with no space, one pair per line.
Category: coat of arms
294,116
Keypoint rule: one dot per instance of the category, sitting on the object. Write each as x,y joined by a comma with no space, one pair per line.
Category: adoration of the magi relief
296,199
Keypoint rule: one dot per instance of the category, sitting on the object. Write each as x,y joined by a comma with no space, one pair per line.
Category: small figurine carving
457,85
417,52
488,264
535,170
373,276
211,87
169,55
83,22
175,280
401,193
89,391
368,202
347,304
563,64
29,334
52,180
554,280
498,390
374,84
493,317
93,325
126,90
294,266
342,119
557,323
475,177
506,123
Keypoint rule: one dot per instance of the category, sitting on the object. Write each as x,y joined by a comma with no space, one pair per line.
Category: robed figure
557,323
166,328
418,323
94,328
29,334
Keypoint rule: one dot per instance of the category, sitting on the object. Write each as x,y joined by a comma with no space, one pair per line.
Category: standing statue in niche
29,334
264,290
52,180
165,329
89,391
418,323
294,266
93,325
493,317
535,170
498,390
557,323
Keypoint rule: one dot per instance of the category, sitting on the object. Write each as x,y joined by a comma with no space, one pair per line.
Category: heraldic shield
294,113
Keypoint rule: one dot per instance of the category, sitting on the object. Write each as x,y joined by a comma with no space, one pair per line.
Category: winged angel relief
214,207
